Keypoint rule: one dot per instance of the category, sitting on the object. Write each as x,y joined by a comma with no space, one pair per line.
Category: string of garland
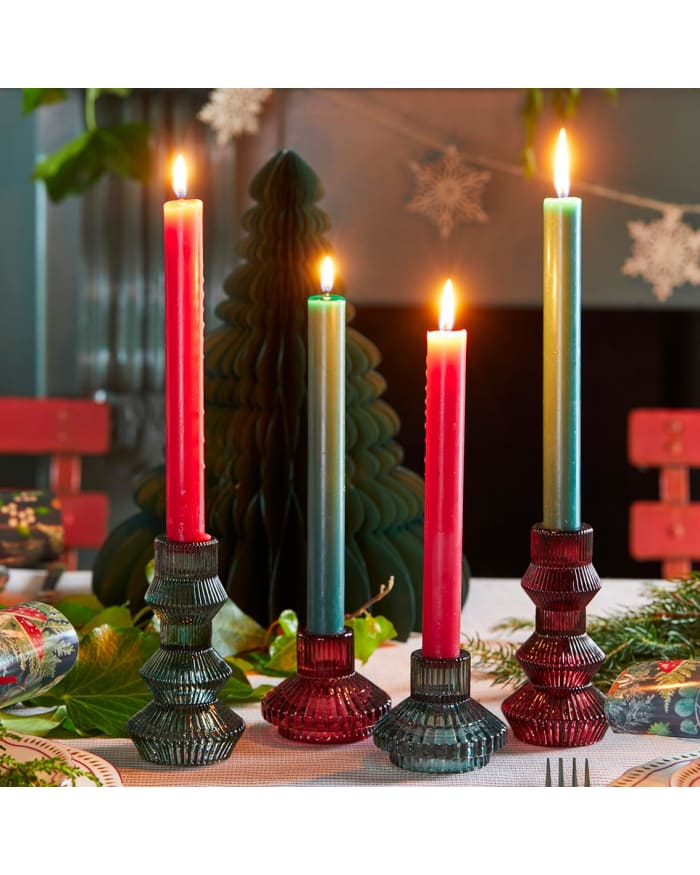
665,251
666,627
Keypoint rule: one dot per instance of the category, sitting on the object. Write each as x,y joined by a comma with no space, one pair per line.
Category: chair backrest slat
65,430
667,530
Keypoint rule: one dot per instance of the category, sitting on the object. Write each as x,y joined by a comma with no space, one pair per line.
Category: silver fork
574,774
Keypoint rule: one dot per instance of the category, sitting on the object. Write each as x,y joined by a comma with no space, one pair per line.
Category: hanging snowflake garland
234,111
665,252
449,191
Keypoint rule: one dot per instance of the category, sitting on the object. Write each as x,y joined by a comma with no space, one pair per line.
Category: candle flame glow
561,166
180,177
327,275
447,307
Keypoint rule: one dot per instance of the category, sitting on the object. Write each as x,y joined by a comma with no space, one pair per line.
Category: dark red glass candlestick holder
326,701
559,706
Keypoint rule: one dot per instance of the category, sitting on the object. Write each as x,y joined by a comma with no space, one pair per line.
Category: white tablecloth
263,758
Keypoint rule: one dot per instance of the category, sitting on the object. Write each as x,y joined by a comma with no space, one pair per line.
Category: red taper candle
184,356
444,484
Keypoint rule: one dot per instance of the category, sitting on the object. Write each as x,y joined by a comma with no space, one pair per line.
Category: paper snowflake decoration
449,190
665,252
234,111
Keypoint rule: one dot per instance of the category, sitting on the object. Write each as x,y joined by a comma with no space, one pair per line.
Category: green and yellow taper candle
562,352
325,578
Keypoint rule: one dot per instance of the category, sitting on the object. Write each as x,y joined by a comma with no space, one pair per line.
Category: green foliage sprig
38,772
562,101
123,149
667,627
104,688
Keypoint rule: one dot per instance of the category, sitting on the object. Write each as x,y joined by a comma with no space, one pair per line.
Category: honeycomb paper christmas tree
255,386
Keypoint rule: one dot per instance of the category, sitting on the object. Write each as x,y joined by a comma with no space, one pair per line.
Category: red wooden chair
65,429
667,530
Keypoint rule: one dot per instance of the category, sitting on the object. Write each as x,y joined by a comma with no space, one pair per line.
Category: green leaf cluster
370,632
38,772
121,149
274,651
666,627
104,688
562,101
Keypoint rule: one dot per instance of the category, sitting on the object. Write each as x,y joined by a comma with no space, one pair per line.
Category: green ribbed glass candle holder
439,728
185,724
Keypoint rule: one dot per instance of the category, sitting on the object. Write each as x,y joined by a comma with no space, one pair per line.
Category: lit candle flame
561,166
180,177
327,275
447,307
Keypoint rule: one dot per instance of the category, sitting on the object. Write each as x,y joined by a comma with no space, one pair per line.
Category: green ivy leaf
34,724
125,149
33,98
71,169
115,615
369,633
289,622
239,689
104,687
283,655
78,164
79,609
234,632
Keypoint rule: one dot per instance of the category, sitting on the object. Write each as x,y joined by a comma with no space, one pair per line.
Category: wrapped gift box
37,647
31,528
656,698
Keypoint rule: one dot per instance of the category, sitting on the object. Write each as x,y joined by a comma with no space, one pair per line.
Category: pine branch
666,627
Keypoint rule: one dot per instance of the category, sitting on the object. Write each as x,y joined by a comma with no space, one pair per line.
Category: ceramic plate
105,772
28,747
657,773
687,776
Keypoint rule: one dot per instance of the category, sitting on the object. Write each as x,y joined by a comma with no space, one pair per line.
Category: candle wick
326,296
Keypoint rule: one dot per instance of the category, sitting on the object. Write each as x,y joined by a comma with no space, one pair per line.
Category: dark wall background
630,359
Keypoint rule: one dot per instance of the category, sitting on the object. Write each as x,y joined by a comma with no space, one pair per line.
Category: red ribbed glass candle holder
326,701
559,706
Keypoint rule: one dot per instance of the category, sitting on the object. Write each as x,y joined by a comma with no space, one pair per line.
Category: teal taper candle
325,578
562,354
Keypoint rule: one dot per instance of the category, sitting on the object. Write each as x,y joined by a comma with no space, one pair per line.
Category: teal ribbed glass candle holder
185,724
439,728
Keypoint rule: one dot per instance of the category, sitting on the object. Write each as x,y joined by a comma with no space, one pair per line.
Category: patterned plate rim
107,773
631,777
679,775
36,745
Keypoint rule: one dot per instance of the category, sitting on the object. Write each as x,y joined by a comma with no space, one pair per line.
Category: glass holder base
326,701
439,728
185,724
